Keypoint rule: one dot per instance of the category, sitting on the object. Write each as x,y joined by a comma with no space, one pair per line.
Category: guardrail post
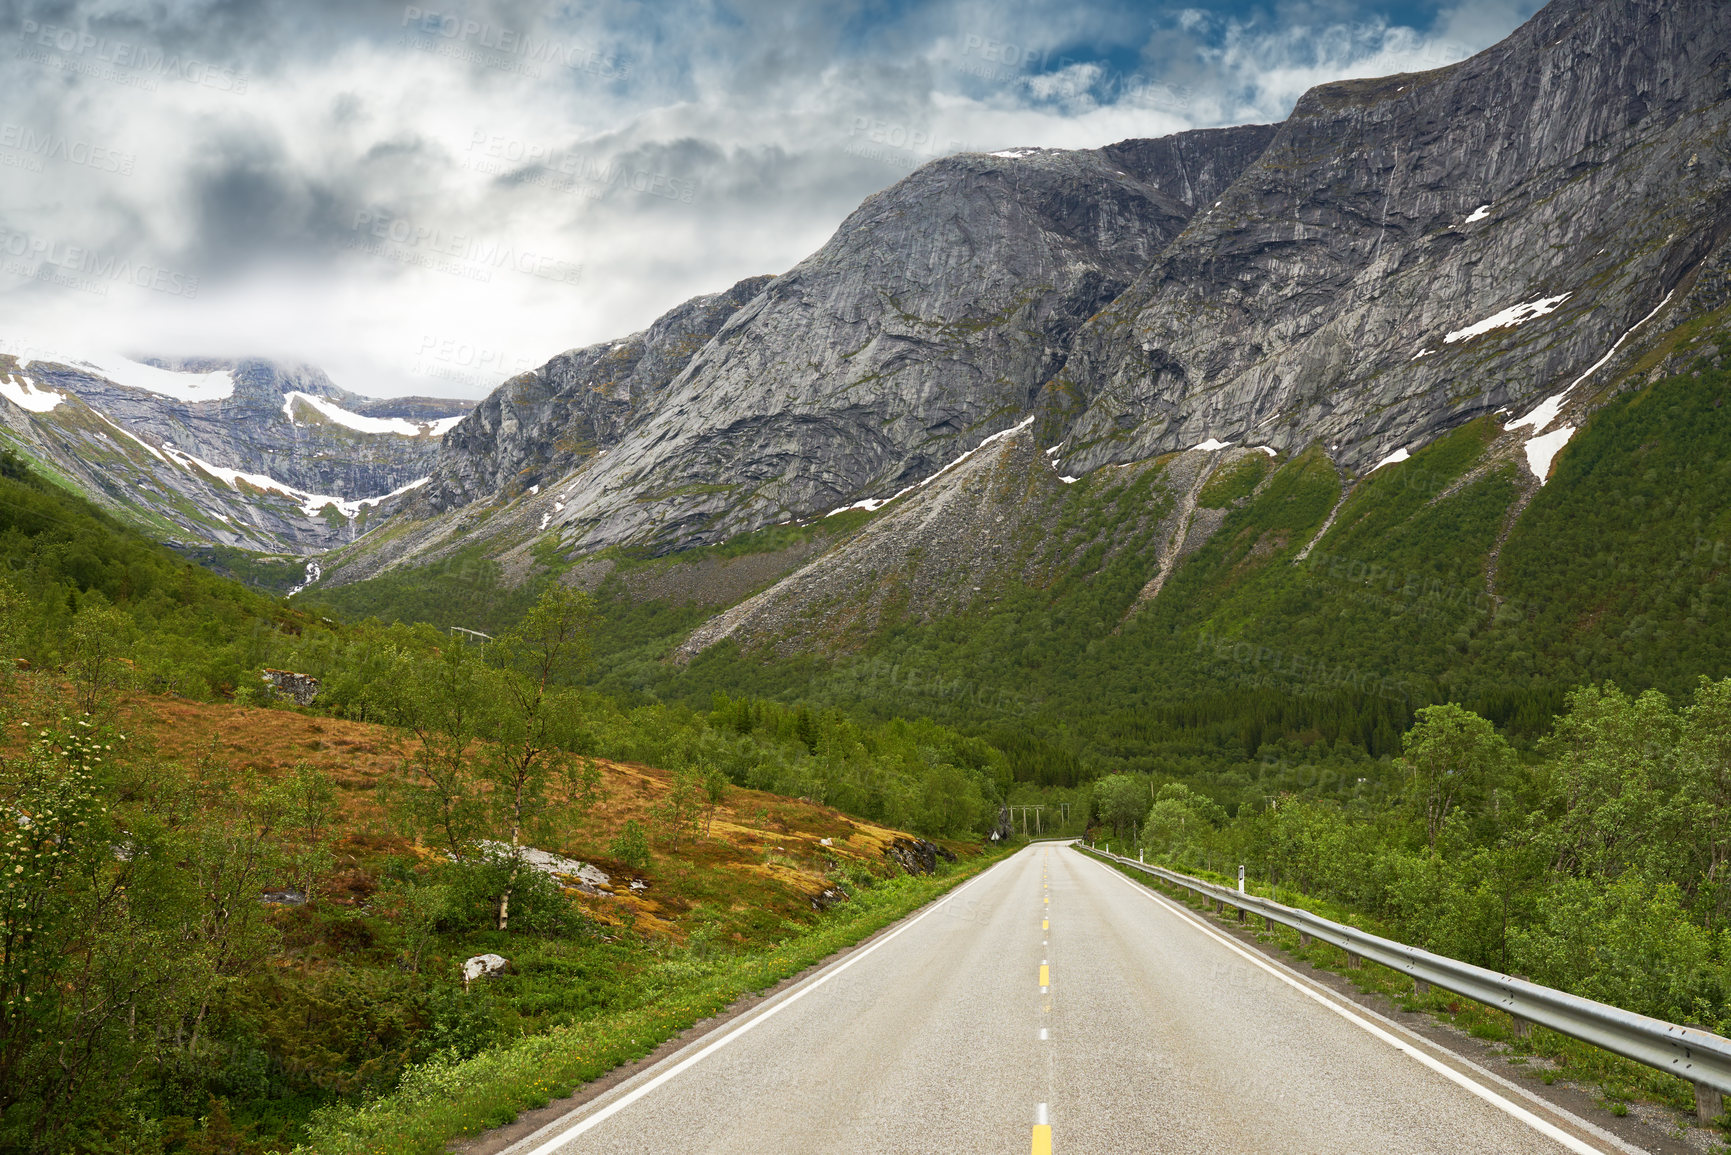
1521,1027
1420,987
1241,914
1353,962
1709,1104
1303,939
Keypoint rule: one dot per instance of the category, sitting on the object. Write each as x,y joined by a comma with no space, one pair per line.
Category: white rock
484,966
556,865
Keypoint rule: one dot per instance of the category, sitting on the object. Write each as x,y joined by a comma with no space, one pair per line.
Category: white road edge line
1515,1110
760,1016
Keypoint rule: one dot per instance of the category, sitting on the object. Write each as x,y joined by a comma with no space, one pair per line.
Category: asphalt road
1052,1004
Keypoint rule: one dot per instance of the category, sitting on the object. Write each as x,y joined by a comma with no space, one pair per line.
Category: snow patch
545,518
1069,480
870,504
337,415
24,394
1479,214
1541,451
151,449
311,503
195,387
1394,458
1268,449
1546,411
1543,413
1211,445
876,503
1016,153
1424,353
1507,319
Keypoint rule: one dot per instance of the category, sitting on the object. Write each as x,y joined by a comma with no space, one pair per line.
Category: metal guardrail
1692,1054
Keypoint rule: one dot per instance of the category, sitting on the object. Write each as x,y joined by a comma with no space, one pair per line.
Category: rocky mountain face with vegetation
1415,251
934,317
1508,236
247,454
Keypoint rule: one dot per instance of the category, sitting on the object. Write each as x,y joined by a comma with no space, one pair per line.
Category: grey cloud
728,142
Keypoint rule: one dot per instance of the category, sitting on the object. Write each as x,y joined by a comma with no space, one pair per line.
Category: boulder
484,966
300,689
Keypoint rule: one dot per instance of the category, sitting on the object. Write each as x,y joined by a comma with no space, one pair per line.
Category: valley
1343,500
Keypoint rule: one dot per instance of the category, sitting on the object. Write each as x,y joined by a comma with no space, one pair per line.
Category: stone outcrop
916,855
300,689
484,966
933,317
540,425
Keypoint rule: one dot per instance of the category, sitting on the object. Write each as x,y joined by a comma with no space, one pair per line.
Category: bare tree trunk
516,855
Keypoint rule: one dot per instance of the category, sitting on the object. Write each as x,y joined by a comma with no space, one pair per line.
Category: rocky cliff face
541,425
934,317
1416,250
250,453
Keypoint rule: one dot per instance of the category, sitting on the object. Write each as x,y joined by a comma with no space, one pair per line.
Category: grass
1619,1080
446,1098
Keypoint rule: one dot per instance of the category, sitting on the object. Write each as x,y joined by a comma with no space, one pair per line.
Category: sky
428,199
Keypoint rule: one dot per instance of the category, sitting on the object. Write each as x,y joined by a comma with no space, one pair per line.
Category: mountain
934,316
1401,256
1415,251
1204,442
246,454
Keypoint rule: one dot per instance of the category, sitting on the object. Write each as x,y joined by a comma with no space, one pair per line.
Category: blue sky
427,198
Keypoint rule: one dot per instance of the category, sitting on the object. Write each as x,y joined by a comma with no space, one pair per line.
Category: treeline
1599,864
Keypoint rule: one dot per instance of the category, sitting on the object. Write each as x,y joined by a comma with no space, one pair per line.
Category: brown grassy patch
759,866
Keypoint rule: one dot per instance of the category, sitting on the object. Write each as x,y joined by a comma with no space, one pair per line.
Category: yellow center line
1045,924
1045,975
1042,1144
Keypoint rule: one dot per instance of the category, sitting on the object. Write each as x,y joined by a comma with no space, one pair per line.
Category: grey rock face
953,545
1332,292
540,425
934,316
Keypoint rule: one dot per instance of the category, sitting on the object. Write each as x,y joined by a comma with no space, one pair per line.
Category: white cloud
379,195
